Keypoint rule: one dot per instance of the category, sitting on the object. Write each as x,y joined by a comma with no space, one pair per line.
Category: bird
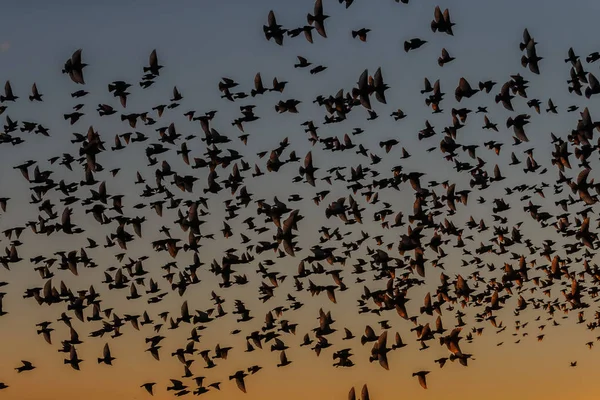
364,393
421,376
74,67
444,58
106,357
27,366
442,22
149,387
273,30
361,34
8,93
35,95
239,380
413,44
153,66
317,19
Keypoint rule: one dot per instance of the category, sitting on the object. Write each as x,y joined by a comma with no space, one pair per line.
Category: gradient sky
199,42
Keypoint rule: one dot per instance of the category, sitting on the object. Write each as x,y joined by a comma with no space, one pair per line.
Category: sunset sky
199,42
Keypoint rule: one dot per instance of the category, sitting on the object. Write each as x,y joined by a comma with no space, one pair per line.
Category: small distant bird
531,60
35,95
302,62
551,107
8,93
153,68
441,21
273,30
317,69
27,366
399,114
593,57
149,387
74,67
361,34
413,44
106,357
464,90
445,58
317,19
239,380
421,376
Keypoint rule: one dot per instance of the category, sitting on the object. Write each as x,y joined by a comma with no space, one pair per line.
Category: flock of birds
533,275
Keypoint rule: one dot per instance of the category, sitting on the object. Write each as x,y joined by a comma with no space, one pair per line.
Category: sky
199,43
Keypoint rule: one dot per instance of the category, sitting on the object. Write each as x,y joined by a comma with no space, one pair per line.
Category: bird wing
153,59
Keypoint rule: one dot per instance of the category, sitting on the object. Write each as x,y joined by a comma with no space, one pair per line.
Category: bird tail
310,18
524,61
406,46
354,34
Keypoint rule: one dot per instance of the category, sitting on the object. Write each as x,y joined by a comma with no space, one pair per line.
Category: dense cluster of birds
533,275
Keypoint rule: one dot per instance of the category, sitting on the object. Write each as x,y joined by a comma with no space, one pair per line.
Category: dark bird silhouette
318,18
361,34
74,67
413,44
441,21
27,366
273,30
